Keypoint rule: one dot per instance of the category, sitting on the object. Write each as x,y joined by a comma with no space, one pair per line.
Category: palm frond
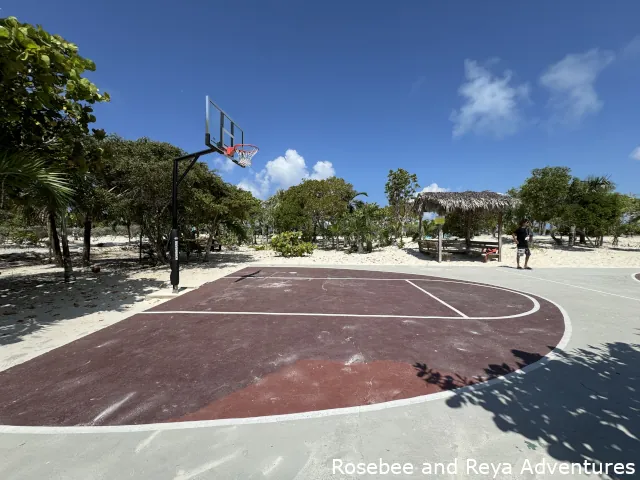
27,175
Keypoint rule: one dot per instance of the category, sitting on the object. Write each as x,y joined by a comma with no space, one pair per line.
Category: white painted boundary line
436,298
150,427
536,305
633,275
575,286
353,278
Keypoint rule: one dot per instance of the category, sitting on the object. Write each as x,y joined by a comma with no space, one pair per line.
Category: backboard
220,130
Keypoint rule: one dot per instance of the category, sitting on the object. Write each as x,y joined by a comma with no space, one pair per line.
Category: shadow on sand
32,301
456,258
582,406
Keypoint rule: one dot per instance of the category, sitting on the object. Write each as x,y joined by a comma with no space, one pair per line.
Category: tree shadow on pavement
581,406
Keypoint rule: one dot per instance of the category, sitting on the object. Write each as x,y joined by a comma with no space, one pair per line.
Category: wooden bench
449,247
482,245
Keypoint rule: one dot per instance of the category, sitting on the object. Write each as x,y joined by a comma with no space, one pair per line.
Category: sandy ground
39,312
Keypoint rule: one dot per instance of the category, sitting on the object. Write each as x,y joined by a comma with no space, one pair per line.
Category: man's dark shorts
524,250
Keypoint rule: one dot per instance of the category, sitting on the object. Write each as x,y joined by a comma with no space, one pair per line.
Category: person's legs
526,259
518,257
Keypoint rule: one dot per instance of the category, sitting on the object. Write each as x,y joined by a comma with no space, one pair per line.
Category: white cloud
434,188
249,187
632,48
571,85
284,172
492,105
322,170
223,164
635,155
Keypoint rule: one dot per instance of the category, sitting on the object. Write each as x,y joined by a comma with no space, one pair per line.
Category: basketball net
244,153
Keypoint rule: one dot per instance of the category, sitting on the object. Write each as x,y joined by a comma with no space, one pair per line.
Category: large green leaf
21,171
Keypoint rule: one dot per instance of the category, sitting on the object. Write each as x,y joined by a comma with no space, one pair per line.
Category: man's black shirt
522,234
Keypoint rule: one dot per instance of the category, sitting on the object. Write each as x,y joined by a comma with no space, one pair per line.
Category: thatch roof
444,202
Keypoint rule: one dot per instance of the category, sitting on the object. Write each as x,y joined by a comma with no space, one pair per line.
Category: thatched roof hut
445,202
468,203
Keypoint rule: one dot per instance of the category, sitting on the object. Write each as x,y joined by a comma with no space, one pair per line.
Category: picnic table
459,246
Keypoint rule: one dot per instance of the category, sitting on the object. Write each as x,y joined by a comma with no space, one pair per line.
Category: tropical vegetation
57,174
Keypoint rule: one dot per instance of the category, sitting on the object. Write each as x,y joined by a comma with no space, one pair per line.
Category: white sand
39,312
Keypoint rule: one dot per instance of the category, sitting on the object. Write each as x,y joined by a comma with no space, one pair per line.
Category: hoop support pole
174,238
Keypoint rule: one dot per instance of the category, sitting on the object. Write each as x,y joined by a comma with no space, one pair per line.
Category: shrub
260,247
385,237
290,244
24,237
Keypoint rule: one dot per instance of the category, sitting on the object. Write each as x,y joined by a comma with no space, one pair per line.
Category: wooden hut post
500,237
439,243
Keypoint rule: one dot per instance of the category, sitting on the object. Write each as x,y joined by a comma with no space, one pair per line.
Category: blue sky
467,95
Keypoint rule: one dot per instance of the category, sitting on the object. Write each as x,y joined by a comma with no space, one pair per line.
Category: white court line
575,286
536,307
347,278
436,298
405,402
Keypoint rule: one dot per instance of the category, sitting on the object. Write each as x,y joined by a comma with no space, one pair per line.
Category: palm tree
27,180
352,203
23,174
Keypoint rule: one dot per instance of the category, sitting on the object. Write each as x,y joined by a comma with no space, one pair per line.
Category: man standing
521,239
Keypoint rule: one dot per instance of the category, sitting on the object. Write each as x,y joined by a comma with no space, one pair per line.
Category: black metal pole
174,241
174,238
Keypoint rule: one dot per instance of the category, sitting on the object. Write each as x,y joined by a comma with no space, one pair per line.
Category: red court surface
267,341
637,275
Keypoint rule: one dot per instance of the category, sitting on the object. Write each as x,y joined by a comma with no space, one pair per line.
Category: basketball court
276,372
277,341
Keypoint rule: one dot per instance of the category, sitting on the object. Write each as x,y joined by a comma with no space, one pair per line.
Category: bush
290,244
385,237
260,247
24,237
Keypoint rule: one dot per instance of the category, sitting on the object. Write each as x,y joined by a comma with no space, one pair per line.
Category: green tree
364,224
24,174
289,213
140,173
45,103
218,206
92,198
593,206
400,189
312,206
42,91
544,194
629,222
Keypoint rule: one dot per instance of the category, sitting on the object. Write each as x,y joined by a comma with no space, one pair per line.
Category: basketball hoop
244,152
